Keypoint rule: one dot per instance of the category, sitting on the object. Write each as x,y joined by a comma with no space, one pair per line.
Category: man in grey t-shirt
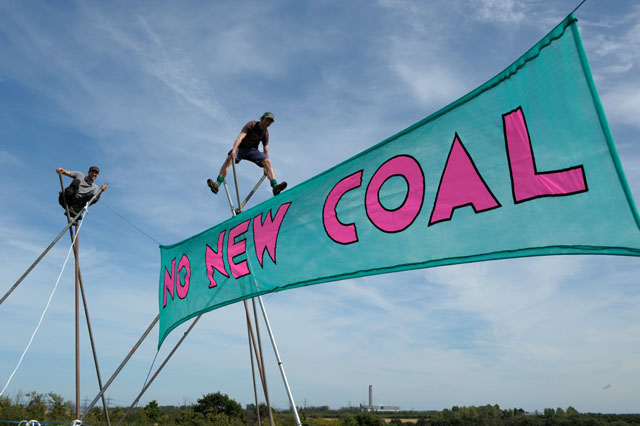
81,190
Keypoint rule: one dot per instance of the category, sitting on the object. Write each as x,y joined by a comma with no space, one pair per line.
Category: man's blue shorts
254,155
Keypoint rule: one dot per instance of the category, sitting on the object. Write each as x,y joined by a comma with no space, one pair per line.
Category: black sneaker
279,188
213,185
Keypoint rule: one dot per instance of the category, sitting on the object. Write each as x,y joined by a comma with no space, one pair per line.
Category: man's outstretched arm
104,188
62,171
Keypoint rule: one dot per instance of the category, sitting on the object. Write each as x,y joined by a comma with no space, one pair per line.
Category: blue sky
156,92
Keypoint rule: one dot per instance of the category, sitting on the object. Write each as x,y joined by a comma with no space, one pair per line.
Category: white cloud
622,103
8,159
431,84
500,11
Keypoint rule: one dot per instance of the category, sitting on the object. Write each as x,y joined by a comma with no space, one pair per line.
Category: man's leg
268,170
215,185
67,196
76,208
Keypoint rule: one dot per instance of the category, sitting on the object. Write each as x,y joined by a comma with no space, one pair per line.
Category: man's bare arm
62,171
236,144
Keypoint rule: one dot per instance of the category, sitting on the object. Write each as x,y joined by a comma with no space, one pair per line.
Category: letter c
340,232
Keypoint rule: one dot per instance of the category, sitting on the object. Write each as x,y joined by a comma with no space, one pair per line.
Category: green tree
152,410
348,420
422,422
36,407
59,409
218,403
396,422
572,411
9,411
319,421
368,419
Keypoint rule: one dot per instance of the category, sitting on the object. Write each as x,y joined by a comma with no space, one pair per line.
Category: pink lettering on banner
183,290
461,185
215,261
236,249
339,232
265,235
526,182
400,218
169,282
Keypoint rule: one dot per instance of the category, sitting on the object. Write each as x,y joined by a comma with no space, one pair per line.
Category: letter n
461,185
169,281
526,182
214,260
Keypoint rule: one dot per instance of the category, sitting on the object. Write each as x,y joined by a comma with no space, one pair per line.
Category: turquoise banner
524,165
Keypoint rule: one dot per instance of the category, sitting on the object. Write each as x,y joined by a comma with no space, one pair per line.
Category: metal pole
253,376
144,389
47,250
226,188
86,310
275,349
255,348
122,364
255,188
259,361
235,179
264,313
266,389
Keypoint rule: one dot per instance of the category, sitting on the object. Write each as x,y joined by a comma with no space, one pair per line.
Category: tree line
217,409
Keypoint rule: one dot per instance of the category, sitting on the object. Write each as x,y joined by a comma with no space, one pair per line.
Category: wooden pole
144,389
86,309
75,250
33,265
121,366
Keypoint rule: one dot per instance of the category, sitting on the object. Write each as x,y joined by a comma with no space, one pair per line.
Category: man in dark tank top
245,147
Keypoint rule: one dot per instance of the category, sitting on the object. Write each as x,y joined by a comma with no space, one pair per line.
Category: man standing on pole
245,147
81,190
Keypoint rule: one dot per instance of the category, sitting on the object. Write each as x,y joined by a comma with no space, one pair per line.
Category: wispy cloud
500,11
7,158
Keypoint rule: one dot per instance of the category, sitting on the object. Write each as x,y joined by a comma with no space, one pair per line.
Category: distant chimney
370,397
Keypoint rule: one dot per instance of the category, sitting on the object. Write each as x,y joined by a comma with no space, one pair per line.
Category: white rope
45,309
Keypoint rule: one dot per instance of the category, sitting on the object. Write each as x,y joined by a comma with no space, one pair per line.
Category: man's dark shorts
250,154
73,200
